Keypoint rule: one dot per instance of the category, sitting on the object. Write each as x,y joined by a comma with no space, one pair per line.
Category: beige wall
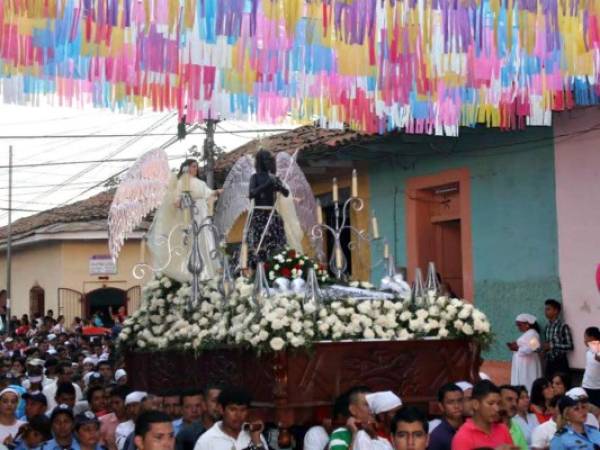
41,264
55,265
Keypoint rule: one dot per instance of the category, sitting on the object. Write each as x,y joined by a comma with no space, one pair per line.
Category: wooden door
449,254
70,304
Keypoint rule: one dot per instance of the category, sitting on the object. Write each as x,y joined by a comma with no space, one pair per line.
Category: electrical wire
120,135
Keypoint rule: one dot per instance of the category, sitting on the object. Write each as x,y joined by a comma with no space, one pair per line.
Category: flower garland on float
285,320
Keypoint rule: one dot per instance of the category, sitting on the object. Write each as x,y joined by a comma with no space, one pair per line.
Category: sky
63,175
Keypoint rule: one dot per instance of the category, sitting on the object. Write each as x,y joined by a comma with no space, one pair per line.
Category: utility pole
9,240
209,151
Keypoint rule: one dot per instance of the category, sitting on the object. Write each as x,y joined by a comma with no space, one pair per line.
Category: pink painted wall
577,161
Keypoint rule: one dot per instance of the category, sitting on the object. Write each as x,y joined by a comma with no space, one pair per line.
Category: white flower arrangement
285,320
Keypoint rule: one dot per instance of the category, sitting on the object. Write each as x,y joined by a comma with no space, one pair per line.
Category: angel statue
150,184
279,201
170,214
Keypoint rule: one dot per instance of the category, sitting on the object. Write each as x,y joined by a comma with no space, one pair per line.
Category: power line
70,163
122,135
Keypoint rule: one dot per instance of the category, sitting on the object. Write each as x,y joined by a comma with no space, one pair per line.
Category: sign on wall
102,265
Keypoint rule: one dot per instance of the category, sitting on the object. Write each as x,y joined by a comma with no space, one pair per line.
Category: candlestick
386,251
354,183
335,192
319,213
244,256
375,227
338,257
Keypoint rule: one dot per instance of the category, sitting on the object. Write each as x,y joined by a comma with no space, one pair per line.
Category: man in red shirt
484,428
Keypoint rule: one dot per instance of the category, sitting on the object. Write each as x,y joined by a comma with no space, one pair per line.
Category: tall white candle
244,256
374,227
142,250
354,183
319,213
335,192
338,257
386,251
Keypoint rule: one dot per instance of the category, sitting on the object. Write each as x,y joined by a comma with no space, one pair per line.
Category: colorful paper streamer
425,66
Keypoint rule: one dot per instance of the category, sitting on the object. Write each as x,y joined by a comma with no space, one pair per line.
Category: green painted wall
513,214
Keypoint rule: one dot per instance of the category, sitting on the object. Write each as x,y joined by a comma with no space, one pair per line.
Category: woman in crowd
560,383
572,433
526,365
591,376
541,394
526,420
9,425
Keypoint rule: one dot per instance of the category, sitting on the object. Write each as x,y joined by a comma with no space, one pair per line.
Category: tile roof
313,141
93,208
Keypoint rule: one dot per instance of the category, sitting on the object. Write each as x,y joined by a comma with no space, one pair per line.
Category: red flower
267,265
297,267
285,272
292,254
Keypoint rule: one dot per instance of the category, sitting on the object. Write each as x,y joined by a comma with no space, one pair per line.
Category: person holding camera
233,432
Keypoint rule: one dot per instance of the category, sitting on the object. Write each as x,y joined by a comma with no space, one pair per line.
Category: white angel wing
234,200
140,191
304,200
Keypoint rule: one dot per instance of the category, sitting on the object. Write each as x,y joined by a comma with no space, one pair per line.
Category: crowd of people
62,390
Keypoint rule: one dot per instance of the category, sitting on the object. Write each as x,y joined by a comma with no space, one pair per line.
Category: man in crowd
355,408
35,404
229,434
65,395
105,369
96,401
154,431
212,409
133,408
172,407
451,402
64,371
191,425
117,415
409,430
558,340
484,429
509,396
63,426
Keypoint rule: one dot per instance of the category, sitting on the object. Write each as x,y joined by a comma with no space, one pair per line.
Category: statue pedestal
288,386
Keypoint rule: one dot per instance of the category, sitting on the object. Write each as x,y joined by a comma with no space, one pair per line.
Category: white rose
406,315
263,335
296,327
443,332
277,324
464,313
297,341
367,285
368,334
310,308
467,329
458,324
364,307
323,327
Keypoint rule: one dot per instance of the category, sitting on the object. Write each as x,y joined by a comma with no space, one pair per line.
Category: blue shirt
441,437
177,425
53,445
569,439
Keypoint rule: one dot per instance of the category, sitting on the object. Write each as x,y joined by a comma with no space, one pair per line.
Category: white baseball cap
120,374
135,397
383,401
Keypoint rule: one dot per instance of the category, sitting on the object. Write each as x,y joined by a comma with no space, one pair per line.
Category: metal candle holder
338,263
192,232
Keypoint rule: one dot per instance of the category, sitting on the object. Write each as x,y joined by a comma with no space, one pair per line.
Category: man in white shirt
233,433
65,374
133,407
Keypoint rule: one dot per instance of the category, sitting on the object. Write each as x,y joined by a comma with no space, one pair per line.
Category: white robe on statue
526,365
167,217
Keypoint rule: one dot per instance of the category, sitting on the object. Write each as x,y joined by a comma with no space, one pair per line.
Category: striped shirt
558,335
340,439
